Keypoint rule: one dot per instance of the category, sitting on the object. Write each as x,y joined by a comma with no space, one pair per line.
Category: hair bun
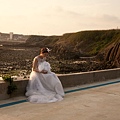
45,50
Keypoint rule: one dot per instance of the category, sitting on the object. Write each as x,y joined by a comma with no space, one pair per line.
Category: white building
11,35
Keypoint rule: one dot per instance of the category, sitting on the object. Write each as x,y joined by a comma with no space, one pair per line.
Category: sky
56,17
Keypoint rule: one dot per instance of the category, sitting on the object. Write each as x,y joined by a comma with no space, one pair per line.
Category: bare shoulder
36,58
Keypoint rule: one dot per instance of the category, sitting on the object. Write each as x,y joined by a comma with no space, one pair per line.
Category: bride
44,86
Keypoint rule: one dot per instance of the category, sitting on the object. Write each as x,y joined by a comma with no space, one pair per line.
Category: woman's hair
44,50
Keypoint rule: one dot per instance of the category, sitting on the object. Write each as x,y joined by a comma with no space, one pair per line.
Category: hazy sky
56,17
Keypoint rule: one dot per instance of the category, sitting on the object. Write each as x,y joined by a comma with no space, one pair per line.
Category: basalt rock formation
113,55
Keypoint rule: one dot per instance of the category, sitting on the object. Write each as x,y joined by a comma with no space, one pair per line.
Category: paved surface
101,103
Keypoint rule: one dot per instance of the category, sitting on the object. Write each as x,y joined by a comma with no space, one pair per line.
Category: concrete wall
68,80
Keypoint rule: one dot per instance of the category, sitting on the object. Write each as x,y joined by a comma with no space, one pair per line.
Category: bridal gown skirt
44,88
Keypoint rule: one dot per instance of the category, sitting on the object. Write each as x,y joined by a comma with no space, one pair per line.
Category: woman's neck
41,56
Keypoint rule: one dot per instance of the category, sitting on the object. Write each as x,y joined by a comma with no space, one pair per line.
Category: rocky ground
16,59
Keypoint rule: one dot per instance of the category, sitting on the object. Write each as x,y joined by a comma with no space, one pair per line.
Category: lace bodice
42,64
40,59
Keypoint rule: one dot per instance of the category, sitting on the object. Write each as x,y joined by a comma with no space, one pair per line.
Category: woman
44,86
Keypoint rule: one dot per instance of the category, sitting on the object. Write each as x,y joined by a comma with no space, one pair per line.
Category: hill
79,44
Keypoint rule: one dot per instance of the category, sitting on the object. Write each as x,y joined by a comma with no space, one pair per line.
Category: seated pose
44,86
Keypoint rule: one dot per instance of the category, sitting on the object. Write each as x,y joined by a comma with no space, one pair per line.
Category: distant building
11,35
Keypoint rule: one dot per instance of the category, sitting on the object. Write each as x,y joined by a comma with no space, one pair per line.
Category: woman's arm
35,65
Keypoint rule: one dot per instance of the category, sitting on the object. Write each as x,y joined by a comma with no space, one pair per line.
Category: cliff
79,44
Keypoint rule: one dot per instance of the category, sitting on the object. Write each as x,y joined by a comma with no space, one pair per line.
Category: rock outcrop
113,55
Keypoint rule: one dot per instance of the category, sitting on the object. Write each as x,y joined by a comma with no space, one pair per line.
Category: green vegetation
11,87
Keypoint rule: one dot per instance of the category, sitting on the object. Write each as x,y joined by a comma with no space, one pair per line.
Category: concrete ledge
68,80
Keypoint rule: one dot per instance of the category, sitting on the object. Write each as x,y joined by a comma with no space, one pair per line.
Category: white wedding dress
44,88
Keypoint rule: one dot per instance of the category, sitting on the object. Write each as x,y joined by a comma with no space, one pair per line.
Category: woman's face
45,54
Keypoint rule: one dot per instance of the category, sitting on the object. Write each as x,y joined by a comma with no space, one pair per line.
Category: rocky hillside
113,55
76,45
41,41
